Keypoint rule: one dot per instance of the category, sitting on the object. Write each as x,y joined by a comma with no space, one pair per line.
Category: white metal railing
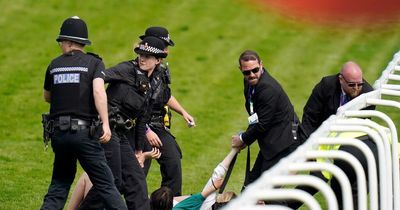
372,170
271,185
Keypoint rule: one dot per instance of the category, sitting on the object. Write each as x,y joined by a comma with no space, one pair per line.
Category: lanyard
251,93
343,99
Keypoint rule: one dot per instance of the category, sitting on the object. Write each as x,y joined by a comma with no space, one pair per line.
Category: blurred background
299,42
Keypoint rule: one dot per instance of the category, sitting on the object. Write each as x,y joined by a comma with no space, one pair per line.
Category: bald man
330,93
327,96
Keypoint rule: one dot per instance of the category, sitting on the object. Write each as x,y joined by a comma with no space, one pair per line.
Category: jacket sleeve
141,128
313,110
140,134
266,106
120,72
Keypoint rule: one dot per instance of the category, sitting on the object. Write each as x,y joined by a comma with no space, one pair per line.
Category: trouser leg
263,164
267,164
64,169
133,179
349,171
93,161
294,204
170,163
256,170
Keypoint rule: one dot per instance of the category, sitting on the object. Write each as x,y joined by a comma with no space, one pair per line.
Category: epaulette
134,62
167,75
94,55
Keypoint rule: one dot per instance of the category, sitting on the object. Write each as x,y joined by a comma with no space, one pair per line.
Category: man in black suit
327,96
272,120
330,93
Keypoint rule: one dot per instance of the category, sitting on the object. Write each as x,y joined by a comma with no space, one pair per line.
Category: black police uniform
171,155
69,80
127,94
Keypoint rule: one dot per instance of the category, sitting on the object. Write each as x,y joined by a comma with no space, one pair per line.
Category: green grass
209,36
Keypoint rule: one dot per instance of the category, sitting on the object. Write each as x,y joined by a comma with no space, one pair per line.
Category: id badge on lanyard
253,119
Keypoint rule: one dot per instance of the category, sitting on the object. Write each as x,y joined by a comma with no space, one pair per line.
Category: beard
354,94
252,80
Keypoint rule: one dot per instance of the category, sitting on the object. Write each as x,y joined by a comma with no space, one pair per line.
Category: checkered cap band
150,49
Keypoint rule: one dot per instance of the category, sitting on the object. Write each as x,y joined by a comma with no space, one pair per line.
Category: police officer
128,96
74,87
158,127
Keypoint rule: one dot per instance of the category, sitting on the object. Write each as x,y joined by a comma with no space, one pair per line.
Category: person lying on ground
84,184
162,199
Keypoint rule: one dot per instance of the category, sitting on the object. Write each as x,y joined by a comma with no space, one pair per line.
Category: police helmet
151,46
159,32
74,29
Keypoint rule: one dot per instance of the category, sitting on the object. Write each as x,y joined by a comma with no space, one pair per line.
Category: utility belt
119,122
66,123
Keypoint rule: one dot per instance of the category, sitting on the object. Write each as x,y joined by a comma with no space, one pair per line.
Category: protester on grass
84,184
74,87
162,198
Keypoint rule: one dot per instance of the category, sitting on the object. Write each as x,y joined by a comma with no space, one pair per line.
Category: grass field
209,36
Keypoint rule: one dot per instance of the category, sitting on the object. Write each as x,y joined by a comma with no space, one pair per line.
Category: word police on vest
66,78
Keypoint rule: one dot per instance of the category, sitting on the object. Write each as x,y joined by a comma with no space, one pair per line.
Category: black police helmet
74,29
151,46
159,32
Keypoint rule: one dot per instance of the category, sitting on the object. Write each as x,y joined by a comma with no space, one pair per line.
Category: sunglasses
248,72
352,84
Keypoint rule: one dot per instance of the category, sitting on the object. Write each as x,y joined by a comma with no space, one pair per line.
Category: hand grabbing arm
153,138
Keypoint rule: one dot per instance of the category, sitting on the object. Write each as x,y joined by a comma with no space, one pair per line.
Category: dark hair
161,199
249,55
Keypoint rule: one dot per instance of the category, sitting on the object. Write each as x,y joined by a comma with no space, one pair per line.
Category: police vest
69,79
131,98
161,93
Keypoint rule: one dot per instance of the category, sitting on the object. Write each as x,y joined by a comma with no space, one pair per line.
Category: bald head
351,71
351,79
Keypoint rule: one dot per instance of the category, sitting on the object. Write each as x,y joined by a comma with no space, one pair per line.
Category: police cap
74,29
151,46
159,32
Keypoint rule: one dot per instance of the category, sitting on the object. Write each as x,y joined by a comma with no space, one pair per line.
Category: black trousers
129,176
262,164
348,170
350,173
68,147
170,161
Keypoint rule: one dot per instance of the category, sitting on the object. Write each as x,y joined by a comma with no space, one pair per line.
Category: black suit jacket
275,115
323,102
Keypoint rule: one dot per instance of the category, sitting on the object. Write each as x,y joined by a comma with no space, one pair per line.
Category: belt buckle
129,123
83,122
